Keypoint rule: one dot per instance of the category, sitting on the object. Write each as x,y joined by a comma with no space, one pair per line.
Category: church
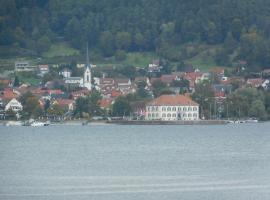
86,80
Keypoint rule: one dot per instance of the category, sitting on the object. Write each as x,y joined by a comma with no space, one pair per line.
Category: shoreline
131,122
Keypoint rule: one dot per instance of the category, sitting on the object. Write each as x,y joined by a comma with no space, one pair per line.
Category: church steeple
87,72
87,56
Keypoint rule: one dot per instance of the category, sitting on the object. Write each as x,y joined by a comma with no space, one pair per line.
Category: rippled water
230,162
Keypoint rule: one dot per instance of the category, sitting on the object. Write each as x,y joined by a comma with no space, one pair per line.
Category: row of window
172,108
155,115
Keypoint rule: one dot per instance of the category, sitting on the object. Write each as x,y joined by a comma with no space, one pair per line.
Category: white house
43,69
14,105
172,108
66,73
24,66
74,81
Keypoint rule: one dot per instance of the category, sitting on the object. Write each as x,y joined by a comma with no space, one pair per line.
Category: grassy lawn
139,59
59,50
204,60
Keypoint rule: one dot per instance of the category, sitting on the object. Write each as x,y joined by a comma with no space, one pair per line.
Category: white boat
14,123
252,121
36,123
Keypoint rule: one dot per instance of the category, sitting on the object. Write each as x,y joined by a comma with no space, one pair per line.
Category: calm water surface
230,162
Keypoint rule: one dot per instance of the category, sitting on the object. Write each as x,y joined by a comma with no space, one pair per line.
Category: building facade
172,108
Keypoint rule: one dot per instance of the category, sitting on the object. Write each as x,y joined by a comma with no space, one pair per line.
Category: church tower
87,72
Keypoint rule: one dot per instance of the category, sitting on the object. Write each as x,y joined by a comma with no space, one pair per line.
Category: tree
120,55
128,71
257,110
123,40
43,44
16,81
121,107
56,110
204,96
82,106
106,43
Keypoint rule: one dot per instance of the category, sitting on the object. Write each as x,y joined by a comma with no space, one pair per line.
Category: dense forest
240,29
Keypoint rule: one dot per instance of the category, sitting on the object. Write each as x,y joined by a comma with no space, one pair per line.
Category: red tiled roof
65,102
115,93
167,78
255,82
8,94
173,100
55,92
105,103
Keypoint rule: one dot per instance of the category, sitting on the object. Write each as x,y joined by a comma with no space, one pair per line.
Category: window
189,115
168,115
156,115
174,108
163,115
189,109
179,108
153,115
184,115
149,115
174,115
195,115
163,108
148,108
168,109
185,109
194,108
156,108
153,108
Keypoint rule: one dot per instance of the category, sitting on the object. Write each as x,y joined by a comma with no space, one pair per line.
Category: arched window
153,108
189,109
149,115
163,115
168,108
153,115
174,115
174,108
185,109
168,115
194,115
189,115
194,108
179,108
163,108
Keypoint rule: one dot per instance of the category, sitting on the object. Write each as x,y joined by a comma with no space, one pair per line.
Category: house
80,93
66,104
154,67
66,73
172,108
125,86
219,72
168,79
266,72
8,94
227,89
77,81
255,82
14,105
24,66
5,82
266,84
43,69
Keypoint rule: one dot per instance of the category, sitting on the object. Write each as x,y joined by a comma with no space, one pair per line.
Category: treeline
240,28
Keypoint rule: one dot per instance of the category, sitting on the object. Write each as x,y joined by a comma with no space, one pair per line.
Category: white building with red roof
172,108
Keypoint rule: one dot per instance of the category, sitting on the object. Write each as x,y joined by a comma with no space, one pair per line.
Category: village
153,93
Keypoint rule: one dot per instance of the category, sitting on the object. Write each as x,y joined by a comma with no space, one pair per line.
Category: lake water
110,162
